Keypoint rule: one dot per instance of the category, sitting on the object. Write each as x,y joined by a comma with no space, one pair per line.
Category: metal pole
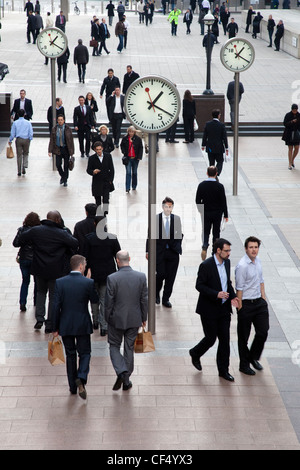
208,90
236,131
152,232
53,98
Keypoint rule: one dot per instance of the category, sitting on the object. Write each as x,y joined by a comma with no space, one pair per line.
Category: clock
237,54
152,104
52,42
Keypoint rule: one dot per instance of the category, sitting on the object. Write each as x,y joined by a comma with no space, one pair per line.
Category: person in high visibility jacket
173,18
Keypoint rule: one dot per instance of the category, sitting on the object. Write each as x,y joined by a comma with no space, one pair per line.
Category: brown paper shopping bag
9,152
144,342
55,351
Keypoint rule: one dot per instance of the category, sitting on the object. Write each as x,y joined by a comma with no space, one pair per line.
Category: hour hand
156,99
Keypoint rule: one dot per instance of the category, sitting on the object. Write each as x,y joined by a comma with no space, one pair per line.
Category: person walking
81,58
95,34
120,10
22,103
230,97
62,146
132,148
278,35
24,258
120,32
101,168
187,19
232,29
215,302
90,101
85,226
188,115
253,307
62,65
168,248
71,320
250,13
31,28
224,17
108,85
215,140
173,19
60,21
22,131
256,24
52,249
291,134
103,35
212,205
103,137
83,121
116,113
38,23
129,77
100,250
60,111
110,7
270,27
126,310
141,12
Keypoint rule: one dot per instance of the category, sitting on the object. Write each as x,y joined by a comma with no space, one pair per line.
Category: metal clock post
237,55
152,105
52,43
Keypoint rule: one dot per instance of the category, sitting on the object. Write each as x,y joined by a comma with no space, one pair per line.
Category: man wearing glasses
216,299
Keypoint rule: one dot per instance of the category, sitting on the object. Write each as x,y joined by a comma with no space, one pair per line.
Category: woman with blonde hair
103,137
132,149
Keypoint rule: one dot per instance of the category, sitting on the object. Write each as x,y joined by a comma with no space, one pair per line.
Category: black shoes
167,303
127,386
157,300
119,382
256,364
226,376
103,332
23,307
38,325
81,389
196,361
247,370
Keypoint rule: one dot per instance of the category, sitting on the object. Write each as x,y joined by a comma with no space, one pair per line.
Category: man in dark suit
85,226
230,97
109,84
60,111
100,250
103,35
168,248
62,65
215,140
129,78
126,310
101,168
116,114
211,197
214,306
83,121
22,103
60,21
72,321
81,58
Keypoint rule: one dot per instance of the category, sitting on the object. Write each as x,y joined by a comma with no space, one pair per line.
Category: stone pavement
171,405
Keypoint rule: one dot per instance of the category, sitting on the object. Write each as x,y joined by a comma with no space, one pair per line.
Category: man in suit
230,97
72,321
215,140
214,306
60,21
129,78
108,85
100,250
103,35
31,27
126,309
62,146
211,197
116,114
22,103
62,65
101,168
60,111
81,58
168,248
83,121
85,226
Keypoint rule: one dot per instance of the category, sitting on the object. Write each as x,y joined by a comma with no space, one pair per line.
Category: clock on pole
237,55
152,105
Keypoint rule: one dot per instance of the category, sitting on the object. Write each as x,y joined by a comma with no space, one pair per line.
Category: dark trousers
189,129
29,32
173,28
216,159
277,43
122,363
44,287
102,199
166,270
62,68
25,266
255,313
84,134
212,220
80,345
81,71
170,133
215,327
271,31
63,158
103,45
116,123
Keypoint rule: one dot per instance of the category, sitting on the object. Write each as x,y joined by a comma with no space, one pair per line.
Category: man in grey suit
126,309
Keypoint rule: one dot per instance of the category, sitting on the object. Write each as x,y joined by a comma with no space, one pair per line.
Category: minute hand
161,109
156,99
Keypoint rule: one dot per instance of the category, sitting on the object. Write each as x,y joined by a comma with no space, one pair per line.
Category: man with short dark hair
61,145
60,21
22,103
116,114
129,78
83,121
22,131
81,58
216,298
232,29
108,85
253,307
215,140
85,226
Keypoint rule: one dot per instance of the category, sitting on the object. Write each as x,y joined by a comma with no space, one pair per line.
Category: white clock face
52,42
152,104
237,55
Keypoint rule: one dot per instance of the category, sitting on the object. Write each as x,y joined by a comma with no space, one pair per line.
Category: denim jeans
25,266
131,171
121,42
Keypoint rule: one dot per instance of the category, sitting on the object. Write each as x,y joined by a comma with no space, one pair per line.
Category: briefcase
71,163
93,43
144,342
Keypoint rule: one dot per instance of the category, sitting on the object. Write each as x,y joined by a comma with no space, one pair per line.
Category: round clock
152,104
237,54
52,42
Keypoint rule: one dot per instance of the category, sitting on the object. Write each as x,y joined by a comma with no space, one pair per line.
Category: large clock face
152,104
237,55
52,42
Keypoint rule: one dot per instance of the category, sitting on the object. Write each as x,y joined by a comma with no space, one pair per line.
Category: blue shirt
249,277
62,128
21,128
222,274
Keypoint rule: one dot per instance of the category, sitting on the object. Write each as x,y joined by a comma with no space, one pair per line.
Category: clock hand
238,53
58,47
160,109
156,99
244,59
151,104
51,42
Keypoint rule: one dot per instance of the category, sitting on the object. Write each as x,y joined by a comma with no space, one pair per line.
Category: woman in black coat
188,114
90,101
132,148
256,24
103,137
291,134
24,258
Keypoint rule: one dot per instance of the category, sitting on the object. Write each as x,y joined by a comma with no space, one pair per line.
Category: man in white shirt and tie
115,106
83,121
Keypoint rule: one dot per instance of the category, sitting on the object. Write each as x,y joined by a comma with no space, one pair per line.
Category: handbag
295,137
71,163
9,152
125,160
55,350
93,43
144,342
196,127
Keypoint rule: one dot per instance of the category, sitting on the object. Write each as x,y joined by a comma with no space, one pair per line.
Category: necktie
60,138
167,229
82,110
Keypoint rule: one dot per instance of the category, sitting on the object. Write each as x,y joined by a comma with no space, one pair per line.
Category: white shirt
249,277
118,108
222,275
22,104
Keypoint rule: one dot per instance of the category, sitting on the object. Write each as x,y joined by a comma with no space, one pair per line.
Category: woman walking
132,148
